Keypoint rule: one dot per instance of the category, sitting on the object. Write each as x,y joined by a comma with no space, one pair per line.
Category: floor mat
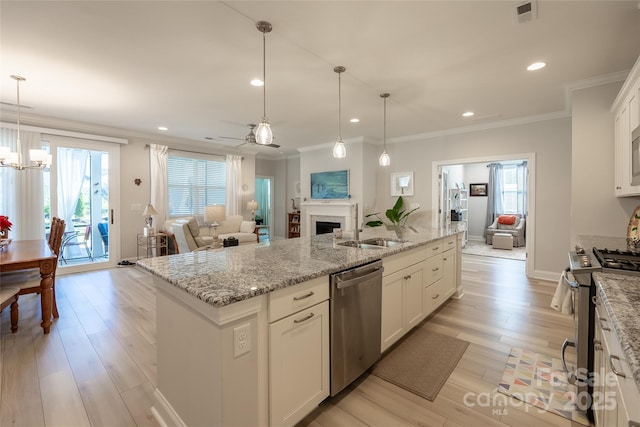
539,380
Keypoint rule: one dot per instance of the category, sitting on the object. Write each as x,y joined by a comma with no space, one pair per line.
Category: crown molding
604,79
358,139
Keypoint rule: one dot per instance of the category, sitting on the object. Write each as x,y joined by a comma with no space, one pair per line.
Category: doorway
454,166
80,189
264,215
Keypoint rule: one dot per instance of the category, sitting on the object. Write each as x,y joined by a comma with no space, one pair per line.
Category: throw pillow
247,226
507,219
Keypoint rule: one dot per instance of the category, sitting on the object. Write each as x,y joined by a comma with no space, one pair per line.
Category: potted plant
397,217
5,226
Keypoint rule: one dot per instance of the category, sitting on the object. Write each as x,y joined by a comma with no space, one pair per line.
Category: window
513,188
195,182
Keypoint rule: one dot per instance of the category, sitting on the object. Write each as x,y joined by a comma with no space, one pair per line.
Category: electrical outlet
241,340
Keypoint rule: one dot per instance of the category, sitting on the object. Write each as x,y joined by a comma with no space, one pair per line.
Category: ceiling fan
250,138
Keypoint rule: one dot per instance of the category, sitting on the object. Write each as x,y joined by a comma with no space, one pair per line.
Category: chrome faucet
356,230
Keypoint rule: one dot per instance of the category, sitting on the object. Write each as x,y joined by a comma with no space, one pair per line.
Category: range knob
585,261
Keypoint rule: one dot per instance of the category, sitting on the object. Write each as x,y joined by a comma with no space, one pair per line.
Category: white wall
550,141
476,173
594,208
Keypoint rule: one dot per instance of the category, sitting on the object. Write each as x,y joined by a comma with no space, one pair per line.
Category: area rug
482,249
422,362
539,380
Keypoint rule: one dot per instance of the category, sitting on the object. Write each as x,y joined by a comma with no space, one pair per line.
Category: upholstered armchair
501,225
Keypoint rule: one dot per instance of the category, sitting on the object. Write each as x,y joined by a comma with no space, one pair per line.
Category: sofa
508,224
189,236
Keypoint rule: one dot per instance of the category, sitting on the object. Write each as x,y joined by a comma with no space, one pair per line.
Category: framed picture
330,185
402,184
478,189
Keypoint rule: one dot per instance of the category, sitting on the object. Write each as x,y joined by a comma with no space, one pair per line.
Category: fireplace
340,214
325,227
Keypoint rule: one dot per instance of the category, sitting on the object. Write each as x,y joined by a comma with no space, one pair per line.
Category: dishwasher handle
341,284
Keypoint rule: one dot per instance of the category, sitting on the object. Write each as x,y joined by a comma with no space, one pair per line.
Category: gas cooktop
618,260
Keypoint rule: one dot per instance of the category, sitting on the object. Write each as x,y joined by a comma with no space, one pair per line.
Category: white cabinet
626,114
616,398
402,287
298,350
441,276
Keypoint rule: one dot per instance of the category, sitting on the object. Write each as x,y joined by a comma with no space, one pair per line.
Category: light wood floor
98,364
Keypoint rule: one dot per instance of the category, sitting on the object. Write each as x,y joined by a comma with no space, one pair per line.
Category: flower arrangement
5,224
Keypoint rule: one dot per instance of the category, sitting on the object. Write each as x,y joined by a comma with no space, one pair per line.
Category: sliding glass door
80,188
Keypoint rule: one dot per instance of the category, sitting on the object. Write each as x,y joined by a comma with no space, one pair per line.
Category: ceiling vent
526,12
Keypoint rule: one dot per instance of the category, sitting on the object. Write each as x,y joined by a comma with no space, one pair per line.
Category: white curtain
522,187
72,165
494,202
21,192
158,169
234,185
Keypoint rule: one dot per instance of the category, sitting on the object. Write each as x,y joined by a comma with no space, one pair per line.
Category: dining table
29,254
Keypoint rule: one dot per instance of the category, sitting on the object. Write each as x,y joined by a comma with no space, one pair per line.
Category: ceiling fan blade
231,137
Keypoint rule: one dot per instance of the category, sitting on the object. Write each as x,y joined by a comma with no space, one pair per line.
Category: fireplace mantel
341,212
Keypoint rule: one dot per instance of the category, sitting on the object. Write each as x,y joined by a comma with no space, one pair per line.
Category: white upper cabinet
626,115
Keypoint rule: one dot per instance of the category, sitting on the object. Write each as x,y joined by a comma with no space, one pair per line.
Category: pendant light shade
264,135
41,158
339,150
384,159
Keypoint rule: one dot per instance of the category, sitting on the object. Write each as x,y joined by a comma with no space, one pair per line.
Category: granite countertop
221,277
620,295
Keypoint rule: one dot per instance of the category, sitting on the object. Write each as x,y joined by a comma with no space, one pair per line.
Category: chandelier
384,159
263,132
339,150
14,159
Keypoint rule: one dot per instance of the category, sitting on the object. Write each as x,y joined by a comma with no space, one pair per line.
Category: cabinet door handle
618,188
613,368
450,243
594,300
304,319
407,277
597,345
310,294
603,327
436,296
435,269
444,259
436,248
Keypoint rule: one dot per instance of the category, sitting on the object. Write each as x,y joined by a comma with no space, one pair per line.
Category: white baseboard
552,276
164,413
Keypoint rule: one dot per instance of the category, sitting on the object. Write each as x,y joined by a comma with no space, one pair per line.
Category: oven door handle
570,376
572,283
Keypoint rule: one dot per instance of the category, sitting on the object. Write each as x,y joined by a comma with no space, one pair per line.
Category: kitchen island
222,320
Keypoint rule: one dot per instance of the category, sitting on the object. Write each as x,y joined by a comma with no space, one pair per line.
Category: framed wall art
402,184
478,189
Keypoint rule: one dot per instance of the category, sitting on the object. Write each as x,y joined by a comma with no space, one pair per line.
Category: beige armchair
187,236
516,230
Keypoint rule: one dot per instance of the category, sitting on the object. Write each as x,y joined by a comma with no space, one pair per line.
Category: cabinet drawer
435,247
284,302
434,269
403,260
435,295
449,243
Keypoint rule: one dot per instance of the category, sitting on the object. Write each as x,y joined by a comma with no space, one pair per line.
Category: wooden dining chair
9,297
29,282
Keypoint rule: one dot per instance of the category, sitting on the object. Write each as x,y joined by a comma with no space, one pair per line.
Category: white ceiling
187,65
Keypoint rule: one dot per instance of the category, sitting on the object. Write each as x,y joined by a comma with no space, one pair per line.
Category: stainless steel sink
383,242
359,245
375,243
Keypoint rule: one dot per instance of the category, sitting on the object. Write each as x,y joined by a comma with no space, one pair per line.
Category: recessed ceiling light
163,128
257,82
536,66
355,120
468,114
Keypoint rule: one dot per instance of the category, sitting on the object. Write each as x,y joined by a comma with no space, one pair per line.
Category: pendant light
339,150
384,159
8,159
264,136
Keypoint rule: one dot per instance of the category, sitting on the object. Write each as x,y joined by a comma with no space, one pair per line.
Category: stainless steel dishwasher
355,307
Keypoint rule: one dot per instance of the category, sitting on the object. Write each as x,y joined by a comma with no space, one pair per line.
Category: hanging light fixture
339,150
14,159
384,159
264,135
